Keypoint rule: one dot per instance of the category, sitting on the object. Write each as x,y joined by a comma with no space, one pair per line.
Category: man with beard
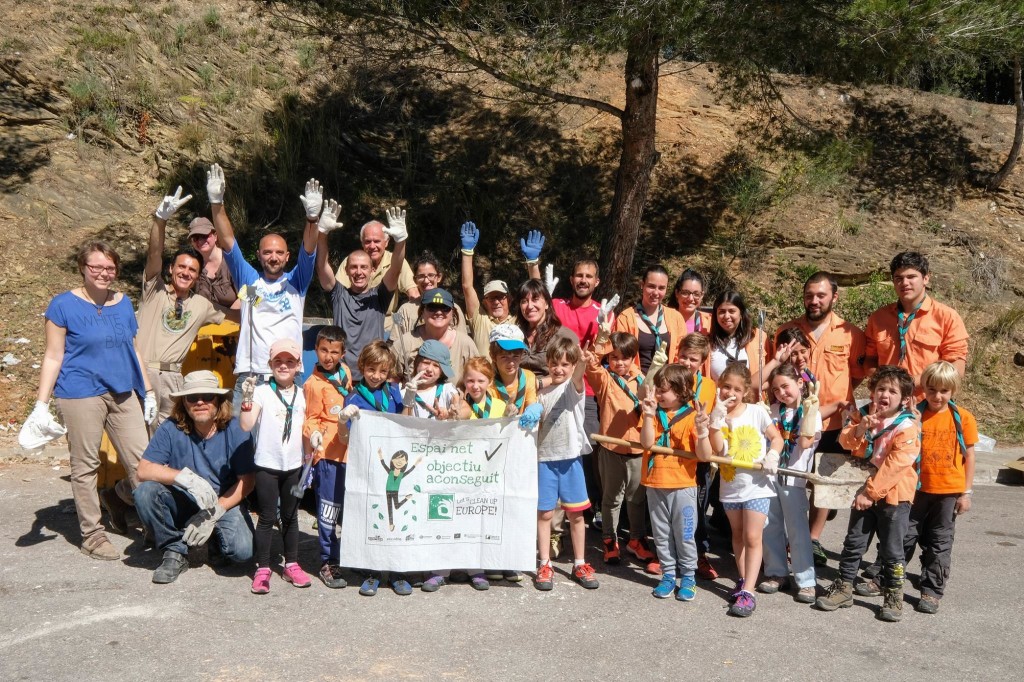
837,362
273,300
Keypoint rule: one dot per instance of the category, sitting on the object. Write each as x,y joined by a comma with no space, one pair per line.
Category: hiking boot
892,607
173,565
101,549
736,590
839,595
611,551
545,579
773,585
401,587
260,581
806,595
927,604
638,549
744,605
665,587
369,586
584,575
868,588
117,511
294,574
687,588
556,546
331,576
433,583
512,576
818,552
704,568
479,582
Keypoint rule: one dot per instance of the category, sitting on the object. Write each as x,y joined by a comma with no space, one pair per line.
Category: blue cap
438,352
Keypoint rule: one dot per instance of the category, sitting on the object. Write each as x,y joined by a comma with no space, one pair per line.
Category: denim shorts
562,481
758,505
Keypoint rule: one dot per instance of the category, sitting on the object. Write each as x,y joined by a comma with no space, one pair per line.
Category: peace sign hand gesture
701,421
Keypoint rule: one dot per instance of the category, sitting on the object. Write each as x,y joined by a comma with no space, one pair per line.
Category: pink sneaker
294,574
261,581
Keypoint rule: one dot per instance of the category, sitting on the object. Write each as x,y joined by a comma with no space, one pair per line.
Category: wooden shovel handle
661,450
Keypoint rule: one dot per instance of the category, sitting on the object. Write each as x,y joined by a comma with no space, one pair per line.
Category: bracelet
532,262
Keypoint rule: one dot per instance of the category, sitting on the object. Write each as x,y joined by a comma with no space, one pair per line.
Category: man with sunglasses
194,475
169,315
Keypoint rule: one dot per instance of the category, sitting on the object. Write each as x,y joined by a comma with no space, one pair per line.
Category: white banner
425,495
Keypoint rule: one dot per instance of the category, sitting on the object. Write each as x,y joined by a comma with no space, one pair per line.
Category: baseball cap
438,297
495,285
290,346
508,337
199,382
438,352
200,226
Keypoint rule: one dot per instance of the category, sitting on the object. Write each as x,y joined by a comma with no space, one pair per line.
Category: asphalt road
66,616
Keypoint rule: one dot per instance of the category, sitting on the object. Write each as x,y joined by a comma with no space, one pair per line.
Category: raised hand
784,351
532,245
658,361
649,405
411,388
550,281
809,425
215,184
701,420
396,228
248,388
170,205
312,199
329,218
605,311
720,411
470,237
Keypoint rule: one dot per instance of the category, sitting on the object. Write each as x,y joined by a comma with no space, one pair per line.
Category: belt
165,366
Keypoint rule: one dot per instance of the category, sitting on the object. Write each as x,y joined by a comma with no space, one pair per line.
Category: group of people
663,407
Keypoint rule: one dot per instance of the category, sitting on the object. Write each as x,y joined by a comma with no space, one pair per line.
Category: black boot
174,564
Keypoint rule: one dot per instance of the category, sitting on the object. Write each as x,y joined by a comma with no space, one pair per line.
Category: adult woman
651,322
687,295
540,325
93,369
214,283
735,339
437,310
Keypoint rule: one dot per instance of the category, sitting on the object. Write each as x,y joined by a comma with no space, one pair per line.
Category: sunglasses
204,397
200,237
433,308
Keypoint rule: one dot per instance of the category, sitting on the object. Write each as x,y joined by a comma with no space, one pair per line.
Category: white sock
578,562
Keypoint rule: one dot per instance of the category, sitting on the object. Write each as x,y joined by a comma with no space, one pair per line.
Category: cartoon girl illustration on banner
396,472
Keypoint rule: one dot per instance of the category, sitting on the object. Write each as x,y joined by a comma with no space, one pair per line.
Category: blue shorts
562,482
758,505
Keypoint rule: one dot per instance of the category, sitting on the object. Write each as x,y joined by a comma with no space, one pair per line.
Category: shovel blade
840,467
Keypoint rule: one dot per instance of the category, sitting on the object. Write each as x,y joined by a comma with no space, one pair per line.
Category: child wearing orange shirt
888,435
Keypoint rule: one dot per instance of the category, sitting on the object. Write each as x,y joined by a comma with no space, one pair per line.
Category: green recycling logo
441,507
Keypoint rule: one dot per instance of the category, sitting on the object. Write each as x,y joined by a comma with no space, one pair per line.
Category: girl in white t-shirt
277,410
796,416
745,492
430,393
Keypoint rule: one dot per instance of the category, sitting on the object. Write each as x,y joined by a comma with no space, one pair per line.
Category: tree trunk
633,179
1018,134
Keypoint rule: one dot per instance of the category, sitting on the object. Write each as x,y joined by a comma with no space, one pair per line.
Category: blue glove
470,236
531,416
532,245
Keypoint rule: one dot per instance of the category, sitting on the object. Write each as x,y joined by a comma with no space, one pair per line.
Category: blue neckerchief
382,405
666,426
520,391
289,408
625,387
484,413
697,381
900,418
655,328
903,321
337,379
437,398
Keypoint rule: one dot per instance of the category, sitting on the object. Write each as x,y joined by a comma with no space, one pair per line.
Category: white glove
658,361
396,224
170,205
411,388
606,309
770,463
316,440
198,487
312,199
248,388
40,428
200,526
550,281
349,412
215,184
809,423
720,411
329,218
149,407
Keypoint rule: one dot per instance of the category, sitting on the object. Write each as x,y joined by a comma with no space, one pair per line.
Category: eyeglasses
424,276
100,269
683,293
204,397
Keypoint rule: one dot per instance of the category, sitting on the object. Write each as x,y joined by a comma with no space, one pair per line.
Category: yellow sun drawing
744,446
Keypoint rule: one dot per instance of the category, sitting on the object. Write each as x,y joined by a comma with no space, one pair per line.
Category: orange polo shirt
628,322
618,418
937,333
321,396
672,472
837,361
896,480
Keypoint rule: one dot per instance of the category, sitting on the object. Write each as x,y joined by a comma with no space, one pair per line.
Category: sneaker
494,575
839,595
331,576
636,548
597,522
512,576
545,579
479,582
584,575
174,564
736,590
868,588
401,587
433,583
744,605
665,587
892,607
294,574
773,585
117,511
704,568
820,558
556,546
653,567
687,588
927,604
611,551
102,549
369,586
806,595
260,581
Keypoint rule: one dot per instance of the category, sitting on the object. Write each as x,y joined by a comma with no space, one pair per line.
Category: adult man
193,477
374,239
274,299
427,274
917,330
495,308
169,315
359,307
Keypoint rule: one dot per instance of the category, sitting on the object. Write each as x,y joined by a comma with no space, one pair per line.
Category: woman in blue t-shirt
92,368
